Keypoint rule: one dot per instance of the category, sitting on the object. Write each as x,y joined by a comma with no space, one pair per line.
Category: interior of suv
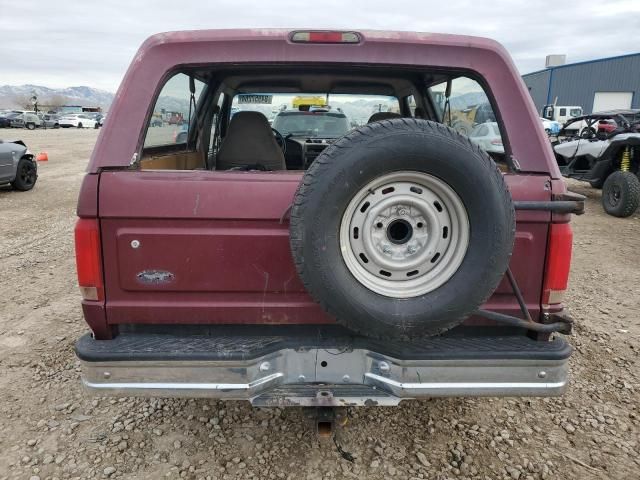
226,121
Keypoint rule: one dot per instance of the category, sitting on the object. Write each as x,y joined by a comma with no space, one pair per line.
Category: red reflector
89,259
325,37
556,275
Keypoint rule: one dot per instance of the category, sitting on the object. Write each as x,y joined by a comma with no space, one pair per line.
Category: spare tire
402,229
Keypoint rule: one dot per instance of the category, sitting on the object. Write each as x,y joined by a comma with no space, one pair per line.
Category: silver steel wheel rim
404,234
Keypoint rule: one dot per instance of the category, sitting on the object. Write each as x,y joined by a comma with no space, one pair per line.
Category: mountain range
13,96
17,96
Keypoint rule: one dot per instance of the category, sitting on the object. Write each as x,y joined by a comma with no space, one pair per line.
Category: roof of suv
162,53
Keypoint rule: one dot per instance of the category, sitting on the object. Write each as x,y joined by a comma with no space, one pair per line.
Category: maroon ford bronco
320,231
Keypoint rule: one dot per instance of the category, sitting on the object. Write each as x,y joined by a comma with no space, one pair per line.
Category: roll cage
627,121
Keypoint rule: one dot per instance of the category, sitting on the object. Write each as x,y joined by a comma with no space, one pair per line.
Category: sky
70,43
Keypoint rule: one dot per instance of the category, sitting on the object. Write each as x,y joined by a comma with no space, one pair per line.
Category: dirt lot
49,428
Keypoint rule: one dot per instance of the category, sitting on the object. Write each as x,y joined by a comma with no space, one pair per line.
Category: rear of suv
27,120
315,262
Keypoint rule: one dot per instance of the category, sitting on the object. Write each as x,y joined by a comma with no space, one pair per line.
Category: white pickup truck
564,113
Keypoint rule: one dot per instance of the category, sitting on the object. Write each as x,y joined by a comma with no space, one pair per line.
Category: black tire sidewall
17,183
629,185
443,154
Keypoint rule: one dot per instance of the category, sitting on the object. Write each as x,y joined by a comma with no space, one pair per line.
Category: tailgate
213,247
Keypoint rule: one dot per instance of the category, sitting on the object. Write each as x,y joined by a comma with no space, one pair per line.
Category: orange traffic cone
42,157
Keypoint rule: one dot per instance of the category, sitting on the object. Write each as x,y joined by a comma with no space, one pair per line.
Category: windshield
315,114
317,124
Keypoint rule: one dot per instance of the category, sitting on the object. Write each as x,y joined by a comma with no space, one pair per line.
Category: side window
563,112
169,123
466,109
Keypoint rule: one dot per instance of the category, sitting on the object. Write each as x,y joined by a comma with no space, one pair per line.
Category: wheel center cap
399,231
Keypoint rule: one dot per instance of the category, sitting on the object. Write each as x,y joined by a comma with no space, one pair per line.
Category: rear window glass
467,110
170,119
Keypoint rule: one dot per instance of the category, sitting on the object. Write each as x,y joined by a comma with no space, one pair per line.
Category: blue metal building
594,85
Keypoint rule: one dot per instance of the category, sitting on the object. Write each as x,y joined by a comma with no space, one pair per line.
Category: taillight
556,273
89,259
324,37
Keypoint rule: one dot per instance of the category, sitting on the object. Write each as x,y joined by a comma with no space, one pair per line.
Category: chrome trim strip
236,387
433,389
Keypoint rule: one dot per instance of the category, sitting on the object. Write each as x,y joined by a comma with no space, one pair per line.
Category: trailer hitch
327,420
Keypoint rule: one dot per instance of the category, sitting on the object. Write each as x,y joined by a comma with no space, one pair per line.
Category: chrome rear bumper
342,376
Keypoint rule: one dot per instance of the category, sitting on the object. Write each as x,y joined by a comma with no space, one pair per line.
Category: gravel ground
50,429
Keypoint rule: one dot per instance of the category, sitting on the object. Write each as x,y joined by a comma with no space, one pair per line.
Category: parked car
51,120
607,159
357,269
6,117
176,119
463,120
325,123
18,167
487,136
30,121
181,133
77,120
96,117
607,125
551,127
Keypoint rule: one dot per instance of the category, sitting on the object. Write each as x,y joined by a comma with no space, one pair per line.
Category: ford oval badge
155,277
